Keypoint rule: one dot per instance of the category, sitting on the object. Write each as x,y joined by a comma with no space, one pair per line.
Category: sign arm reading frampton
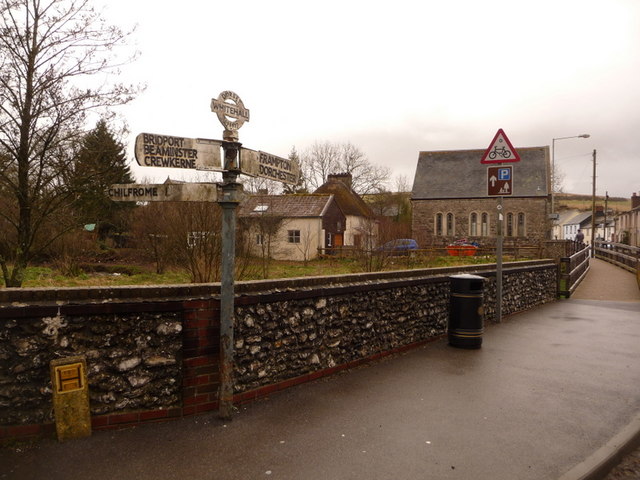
265,165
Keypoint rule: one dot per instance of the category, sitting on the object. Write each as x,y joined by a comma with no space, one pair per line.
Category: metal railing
624,256
573,269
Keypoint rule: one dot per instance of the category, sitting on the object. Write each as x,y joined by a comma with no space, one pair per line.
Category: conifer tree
99,162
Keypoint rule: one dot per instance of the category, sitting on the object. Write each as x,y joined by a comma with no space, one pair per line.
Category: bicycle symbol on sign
502,151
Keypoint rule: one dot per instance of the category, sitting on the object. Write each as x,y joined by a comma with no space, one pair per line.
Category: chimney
345,178
635,201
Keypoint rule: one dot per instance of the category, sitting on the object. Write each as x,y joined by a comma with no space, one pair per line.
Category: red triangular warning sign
500,150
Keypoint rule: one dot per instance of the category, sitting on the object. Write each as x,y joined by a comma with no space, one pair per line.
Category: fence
573,269
623,256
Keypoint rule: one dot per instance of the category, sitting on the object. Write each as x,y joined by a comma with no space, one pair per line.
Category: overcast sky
398,77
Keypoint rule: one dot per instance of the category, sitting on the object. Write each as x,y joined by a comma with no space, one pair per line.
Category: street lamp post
553,166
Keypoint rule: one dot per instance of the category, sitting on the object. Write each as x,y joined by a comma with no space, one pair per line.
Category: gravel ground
628,469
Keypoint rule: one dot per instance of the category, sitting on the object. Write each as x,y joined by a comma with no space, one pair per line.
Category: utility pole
593,209
499,241
606,207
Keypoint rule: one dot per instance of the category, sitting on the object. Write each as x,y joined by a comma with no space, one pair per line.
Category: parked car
400,246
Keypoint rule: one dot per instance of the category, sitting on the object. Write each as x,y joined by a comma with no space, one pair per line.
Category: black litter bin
466,323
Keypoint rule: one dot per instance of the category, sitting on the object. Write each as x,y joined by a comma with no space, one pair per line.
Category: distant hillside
566,201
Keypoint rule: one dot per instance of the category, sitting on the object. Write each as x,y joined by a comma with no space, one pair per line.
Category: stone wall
279,336
133,360
424,213
153,352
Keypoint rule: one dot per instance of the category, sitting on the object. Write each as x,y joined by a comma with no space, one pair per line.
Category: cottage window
521,224
196,238
293,236
484,225
259,239
261,208
473,224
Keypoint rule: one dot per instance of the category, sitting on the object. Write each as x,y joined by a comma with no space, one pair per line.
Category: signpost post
499,184
153,150
232,116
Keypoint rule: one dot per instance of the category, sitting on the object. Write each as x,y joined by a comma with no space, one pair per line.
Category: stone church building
451,201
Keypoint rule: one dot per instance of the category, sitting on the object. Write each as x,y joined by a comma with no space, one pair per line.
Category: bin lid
467,276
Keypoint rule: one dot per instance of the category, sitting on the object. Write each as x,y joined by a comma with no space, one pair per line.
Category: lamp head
584,135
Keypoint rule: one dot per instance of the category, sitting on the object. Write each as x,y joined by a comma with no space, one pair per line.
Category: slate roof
579,219
291,206
349,201
459,174
584,219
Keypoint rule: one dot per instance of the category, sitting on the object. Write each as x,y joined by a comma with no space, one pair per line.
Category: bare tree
318,162
367,177
151,232
322,159
51,53
402,184
261,231
557,180
307,239
198,228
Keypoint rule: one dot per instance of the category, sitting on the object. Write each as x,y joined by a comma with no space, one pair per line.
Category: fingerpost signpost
499,184
153,150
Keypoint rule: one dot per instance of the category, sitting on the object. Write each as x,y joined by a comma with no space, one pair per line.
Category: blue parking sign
504,174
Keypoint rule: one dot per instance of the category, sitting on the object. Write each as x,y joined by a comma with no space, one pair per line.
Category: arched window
473,224
438,229
450,224
521,225
484,225
509,224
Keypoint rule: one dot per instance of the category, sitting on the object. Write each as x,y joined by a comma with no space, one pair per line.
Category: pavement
554,393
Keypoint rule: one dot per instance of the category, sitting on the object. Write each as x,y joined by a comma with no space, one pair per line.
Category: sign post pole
499,183
231,194
232,114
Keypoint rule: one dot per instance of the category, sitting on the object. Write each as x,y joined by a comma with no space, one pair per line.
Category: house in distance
291,227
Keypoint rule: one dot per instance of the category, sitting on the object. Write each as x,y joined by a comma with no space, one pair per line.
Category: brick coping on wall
52,296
